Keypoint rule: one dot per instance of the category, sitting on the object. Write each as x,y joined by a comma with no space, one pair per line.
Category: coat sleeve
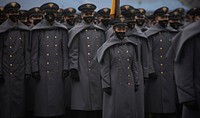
65,50
145,57
184,74
151,66
28,53
1,54
73,53
35,51
105,70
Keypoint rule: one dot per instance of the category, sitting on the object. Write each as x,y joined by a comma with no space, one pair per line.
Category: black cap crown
49,7
12,6
161,11
69,11
104,12
87,7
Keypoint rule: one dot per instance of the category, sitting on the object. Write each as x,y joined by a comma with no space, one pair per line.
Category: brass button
11,73
48,71
47,45
89,69
20,38
86,30
129,83
128,67
11,65
11,56
88,61
161,64
161,56
119,59
10,37
127,51
161,48
88,37
56,45
47,63
161,40
47,36
88,53
97,45
161,72
88,46
95,30
47,54
55,37
128,75
10,47
117,51
56,53
128,59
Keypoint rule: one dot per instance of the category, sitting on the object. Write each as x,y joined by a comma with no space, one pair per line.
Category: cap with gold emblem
129,13
126,7
161,11
196,11
87,7
174,15
104,12
35,12
69,11
12,6
53,7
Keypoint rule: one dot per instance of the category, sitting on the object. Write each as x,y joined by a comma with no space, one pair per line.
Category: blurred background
149,5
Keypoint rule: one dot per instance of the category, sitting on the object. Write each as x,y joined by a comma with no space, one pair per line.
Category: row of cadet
62,65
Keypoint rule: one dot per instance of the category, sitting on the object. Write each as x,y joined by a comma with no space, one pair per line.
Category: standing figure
84,41
118,57
14,63
49,59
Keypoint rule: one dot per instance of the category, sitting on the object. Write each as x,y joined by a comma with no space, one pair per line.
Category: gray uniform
186,49
119,62
84,41
143,52
14,64
160,92
103,26
49,57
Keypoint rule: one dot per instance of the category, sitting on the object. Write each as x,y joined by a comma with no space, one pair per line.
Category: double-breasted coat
119,59
49,57
14,65
160,91
84,41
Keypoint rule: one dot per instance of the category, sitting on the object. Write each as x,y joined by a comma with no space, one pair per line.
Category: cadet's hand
74,74
192,105
2,78
36,75
27,76
107,90
152,76
65,74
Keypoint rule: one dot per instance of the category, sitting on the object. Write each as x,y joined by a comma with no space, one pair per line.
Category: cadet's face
119,29
87,13
161,18
196,18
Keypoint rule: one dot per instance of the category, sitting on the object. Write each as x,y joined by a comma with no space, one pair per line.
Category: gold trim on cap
13,4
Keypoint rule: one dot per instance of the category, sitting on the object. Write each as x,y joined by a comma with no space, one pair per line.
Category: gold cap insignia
127,7
105,10
88,5
13,4
164,9
70,9
50,5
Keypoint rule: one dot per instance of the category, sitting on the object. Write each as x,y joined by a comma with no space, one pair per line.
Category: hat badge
50,5
122,19
141,10
36,9
105,10
88,5
175,13
164,9
126,7
70,9
13,4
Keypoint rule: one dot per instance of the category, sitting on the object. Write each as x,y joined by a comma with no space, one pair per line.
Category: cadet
160,89
137,36
14,63
23,16
185,48
49,58
104,18
36,15
2,15
140,18
175,20
69,17
84,41
120,79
